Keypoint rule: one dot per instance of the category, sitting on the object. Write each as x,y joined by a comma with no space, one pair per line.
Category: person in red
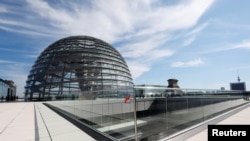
127,98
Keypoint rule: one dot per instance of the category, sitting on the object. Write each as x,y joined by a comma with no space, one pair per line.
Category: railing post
135,118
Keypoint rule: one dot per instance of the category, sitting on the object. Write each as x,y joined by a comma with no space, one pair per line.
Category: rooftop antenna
238,76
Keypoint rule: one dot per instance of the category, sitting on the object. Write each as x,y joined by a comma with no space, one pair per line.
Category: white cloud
191,36
140,55
144,27
189,41
142,47
2,10
192,63
6,62
197,29
243,45
111,19
24,28
137,69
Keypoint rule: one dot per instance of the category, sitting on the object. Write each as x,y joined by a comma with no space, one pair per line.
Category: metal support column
135,118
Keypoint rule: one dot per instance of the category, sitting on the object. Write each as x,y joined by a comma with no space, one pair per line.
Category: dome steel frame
78,67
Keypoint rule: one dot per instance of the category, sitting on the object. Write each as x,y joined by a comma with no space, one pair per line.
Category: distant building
238,86
222,89
147,90
174,88
7,89
172,83
3,88
241,86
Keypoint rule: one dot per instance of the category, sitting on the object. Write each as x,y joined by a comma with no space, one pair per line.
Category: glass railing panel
85,115
151,109
173,110
160,111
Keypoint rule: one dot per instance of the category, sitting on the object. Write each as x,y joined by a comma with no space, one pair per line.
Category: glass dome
78,67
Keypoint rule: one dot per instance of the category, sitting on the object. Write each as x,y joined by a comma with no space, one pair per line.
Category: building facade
3,88
172,83
240,86
79,67
7,90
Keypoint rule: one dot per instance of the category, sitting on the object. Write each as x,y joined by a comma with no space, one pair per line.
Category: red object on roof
127,98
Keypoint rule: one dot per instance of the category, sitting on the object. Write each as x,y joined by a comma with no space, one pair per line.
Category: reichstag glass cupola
78,67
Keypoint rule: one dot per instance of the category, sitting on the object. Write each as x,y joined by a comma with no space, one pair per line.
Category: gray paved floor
32,121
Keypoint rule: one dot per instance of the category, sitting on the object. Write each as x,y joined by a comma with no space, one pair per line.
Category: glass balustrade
149,113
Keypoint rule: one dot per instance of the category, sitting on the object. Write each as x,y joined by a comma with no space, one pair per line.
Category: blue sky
202,43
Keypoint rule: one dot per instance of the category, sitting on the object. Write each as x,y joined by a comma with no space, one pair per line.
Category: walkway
32,121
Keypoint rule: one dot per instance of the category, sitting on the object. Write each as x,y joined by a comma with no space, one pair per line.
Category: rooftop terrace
33,121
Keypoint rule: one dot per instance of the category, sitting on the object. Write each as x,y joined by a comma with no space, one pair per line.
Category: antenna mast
238,76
